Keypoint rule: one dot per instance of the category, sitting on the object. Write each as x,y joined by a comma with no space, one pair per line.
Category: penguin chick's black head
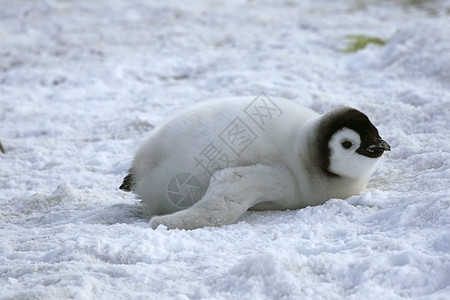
372,145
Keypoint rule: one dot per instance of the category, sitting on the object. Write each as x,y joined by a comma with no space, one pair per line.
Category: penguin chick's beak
382,144
375,150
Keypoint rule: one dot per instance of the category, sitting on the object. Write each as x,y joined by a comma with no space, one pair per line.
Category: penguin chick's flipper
231,192
128,182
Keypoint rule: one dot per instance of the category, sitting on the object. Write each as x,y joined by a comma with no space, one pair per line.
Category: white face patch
344,161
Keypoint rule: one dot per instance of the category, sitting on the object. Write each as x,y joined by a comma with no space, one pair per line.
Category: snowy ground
83,82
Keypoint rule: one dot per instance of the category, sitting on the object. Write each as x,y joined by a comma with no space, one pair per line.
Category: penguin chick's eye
347,144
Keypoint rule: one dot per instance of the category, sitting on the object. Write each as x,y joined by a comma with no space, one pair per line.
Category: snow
83,82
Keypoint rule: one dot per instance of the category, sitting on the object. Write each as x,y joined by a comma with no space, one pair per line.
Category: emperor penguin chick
210,163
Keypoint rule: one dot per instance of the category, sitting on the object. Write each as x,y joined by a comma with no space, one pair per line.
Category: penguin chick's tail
128,182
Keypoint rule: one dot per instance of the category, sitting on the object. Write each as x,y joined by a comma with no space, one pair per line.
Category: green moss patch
358,42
